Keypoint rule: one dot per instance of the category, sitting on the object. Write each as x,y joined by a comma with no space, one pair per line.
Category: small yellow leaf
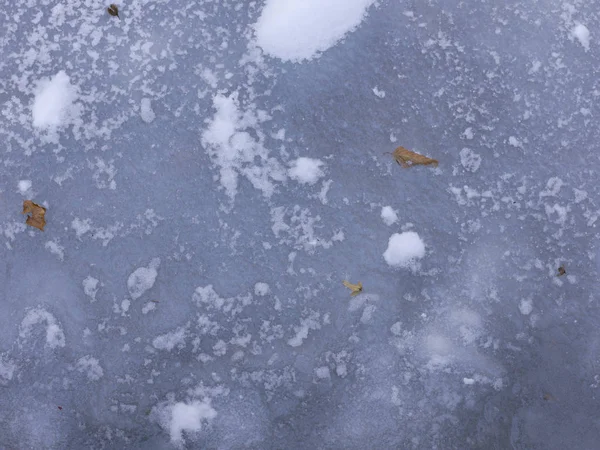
355,288
35,214
404,156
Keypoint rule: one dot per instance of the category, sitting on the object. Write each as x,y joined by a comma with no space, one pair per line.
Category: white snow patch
90,287
179,417
81,226
513,141
7,369
261,289
322,372
307,324
91,367
54,334
235,151
295,30
470,160
54,103
378,93
403,249
170,340
582,34
142,279
24,186
55,249
388,215
306,170
526,306
150,306
146,111
553,186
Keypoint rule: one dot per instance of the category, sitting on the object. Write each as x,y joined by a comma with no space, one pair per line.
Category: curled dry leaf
355,288
113,10
35,213
561,271
407,158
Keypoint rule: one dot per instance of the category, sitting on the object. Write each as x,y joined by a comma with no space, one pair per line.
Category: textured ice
187,289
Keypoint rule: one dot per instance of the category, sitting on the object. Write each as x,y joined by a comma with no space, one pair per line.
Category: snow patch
56,249
54,334
24,186
146,111
388,215
54,103
378,93
403,249
306,170
470,160
261,289
181,416
296,30
526,306
91,367
90,287
170,340
582,34
142,279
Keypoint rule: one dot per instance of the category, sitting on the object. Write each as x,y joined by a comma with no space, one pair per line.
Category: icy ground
214,170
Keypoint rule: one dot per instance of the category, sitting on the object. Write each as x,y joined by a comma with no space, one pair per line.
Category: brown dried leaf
355,288
113,10
36,218
561,271
404,156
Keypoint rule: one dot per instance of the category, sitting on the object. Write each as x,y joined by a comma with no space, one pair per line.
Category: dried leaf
60,407
547,397
561,271
36,219
355,288
113,10
404,156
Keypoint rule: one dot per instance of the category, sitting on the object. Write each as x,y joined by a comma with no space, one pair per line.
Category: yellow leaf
35,214
355,288
404,156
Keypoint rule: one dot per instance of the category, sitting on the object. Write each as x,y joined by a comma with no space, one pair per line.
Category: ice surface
213,171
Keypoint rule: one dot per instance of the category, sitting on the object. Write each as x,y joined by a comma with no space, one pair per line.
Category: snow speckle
179,417
378,93
388,215
322,372
80,226
54,103
468,133
142,279
54,334
307,324
306,170
146,111
261,289
91,367
403,249
582,34
24,186
295,30
470,160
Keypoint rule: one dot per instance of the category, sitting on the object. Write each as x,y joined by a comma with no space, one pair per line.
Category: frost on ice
306,170
142,279
403,249
296,30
